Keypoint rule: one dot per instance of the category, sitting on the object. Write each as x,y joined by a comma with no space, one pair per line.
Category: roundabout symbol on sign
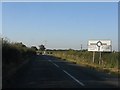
99,44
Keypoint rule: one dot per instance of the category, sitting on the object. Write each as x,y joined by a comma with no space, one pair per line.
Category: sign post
100,58
93,56
99,46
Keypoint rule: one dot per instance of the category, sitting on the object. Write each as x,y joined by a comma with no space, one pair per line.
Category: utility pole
81,47
45,42
45,46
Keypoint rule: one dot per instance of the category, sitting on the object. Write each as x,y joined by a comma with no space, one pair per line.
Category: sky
61,0
61,25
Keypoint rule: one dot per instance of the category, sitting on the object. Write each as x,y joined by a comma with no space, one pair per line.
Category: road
49,72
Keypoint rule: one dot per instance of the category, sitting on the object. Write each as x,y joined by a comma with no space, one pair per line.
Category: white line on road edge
68,74
74,78
53,63
49,60
56,65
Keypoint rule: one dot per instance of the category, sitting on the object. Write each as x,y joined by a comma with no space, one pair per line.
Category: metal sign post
99,46
100,58
93,56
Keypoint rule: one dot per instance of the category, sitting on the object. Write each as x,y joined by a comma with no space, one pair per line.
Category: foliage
34,48
109,59
14,55
42,47
15,52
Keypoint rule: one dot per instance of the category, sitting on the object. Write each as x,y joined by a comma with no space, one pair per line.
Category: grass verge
112,71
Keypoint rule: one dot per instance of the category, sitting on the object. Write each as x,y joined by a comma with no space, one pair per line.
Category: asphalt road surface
49,72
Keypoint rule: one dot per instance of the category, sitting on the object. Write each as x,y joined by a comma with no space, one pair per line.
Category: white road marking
56,65
49,60
74,78
53,63
69,74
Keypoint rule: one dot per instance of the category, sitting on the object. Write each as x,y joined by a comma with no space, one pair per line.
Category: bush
15,52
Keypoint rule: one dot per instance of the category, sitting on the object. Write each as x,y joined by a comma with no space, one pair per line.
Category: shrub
15,52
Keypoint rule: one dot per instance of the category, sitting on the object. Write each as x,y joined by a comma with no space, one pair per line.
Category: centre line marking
74,78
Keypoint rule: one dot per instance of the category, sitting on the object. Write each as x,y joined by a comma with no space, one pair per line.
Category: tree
42,47
20,44
34,48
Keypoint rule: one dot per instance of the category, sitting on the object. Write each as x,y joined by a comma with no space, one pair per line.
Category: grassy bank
13,56
109,62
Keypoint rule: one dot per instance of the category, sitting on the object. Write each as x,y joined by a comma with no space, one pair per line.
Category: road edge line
74,78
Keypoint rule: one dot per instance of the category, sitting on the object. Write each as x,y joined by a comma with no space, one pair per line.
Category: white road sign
100,45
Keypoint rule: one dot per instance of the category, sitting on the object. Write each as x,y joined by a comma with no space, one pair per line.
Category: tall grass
109,60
